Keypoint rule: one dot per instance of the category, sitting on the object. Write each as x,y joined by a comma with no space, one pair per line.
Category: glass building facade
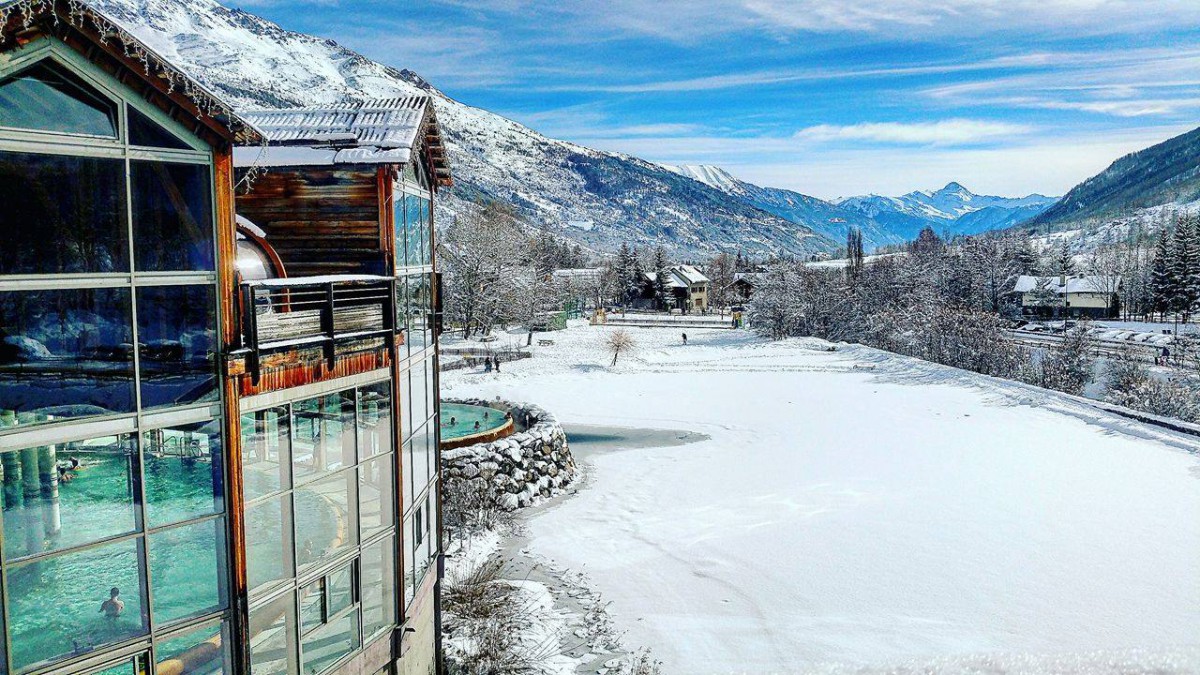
112,455
124,472
418,381
319,483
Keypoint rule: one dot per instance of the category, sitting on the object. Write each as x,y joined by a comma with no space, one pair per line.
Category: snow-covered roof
359,132
1078,284
751,278
680,276
18,16
579,273
690,274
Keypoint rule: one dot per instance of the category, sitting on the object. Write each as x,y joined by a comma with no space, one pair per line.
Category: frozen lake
898,516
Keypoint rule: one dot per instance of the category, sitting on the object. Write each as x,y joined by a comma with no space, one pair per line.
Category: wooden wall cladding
320,221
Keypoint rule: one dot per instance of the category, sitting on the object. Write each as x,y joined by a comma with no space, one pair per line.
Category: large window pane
65,354
406,419
205,651
312,606
340,589
146,132
406,473
187,569
75,602
409,571
177,328
183,472
269,542
399,212
377,495
61,496
423,232
172,216
412,219
62,214
49,97
323,435
431,517
418,301
324,647
273,638
325,517
420,462
375,420
378,586
420,406
402,314
266,452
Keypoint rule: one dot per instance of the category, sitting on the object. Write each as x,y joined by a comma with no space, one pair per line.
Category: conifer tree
1185,268
624,270
1162,278
660,277
1064,262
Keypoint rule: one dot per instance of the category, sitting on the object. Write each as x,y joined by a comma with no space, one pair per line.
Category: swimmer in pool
114,605
453,421
485,415
476,426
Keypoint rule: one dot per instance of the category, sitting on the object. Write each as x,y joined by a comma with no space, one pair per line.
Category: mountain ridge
952,210
1161,175
594,198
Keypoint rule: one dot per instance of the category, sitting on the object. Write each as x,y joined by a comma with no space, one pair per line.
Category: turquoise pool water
458,420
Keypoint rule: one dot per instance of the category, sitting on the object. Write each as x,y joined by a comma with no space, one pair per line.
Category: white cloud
941,132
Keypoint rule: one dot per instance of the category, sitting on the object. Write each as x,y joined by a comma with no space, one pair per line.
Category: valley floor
852,510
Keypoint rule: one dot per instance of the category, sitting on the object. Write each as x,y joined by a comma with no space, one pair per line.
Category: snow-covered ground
854,509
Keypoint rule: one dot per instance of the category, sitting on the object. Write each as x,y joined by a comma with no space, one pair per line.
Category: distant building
582,276
1091,296
686,289
744,284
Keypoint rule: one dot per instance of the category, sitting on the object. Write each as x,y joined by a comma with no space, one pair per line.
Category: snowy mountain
952,210
823,217
598,199
1139,186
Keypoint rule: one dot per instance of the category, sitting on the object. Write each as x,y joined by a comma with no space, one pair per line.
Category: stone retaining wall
520,469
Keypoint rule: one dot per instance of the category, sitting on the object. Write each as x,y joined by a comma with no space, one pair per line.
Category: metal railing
309,312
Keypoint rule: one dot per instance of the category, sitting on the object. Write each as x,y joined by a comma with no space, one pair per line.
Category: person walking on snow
685,338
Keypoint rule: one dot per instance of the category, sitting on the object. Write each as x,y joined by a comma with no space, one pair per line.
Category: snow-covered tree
484,254
1068,366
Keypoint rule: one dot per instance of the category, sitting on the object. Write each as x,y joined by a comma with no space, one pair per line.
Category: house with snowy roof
1095,296
685,287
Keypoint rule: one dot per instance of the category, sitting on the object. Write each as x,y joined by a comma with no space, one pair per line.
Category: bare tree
619,341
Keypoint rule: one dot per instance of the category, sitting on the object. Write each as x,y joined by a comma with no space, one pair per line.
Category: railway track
1109,348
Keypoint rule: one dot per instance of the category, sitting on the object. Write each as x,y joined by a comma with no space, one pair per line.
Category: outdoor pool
458,420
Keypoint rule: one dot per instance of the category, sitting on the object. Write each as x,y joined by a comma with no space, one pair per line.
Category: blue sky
827,97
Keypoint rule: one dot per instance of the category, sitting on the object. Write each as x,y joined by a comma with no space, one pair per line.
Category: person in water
114,605
476,425
685,338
